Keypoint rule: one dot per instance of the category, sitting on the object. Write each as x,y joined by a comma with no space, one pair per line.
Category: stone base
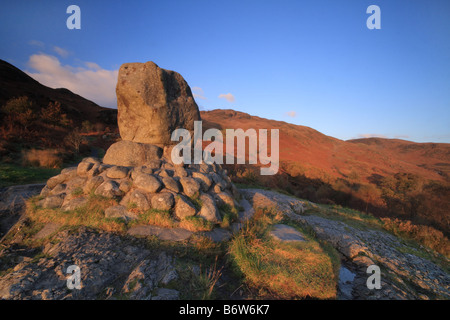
140,178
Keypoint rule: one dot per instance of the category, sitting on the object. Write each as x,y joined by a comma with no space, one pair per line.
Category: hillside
394,178
15,83
338,158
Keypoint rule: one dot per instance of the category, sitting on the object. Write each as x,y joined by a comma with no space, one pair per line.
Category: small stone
53,202
225,198
162,201
109,189
285,233
60,188
45,191
190,186
92,160
136,199
92,184
140,169
180,172
53,181
117,172
147,182
203,179
74,203
84,167
171,184
77,182
162,173
154,164
69,173
209,209
125,185
184,208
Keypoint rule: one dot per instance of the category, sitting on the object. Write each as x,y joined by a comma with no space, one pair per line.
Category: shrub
41,158
74,140
427,236
19,110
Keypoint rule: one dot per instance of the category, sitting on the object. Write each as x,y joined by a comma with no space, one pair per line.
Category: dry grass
159,218
41,158
285,270
196,224
90,215
428,236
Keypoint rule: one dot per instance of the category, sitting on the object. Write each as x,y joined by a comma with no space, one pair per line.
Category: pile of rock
138,171
159,185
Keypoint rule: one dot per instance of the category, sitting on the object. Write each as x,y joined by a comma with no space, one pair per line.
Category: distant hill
317,153
15,83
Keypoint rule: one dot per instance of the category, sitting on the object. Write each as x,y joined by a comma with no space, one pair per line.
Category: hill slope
15,83
338,158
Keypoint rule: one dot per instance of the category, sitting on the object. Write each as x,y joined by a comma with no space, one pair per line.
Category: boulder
53,202
190,186
209,209
92,184
109,189
131,154
136,199
84,167
74,203
162,201
152,103
184,208
117,172
171,184
147,182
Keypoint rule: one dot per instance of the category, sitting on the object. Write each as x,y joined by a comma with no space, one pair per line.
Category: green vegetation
11,174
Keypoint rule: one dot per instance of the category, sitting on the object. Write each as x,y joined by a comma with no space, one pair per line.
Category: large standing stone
152,103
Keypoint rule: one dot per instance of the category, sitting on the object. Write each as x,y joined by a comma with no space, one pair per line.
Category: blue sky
312,63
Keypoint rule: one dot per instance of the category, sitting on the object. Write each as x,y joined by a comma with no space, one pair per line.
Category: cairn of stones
138,171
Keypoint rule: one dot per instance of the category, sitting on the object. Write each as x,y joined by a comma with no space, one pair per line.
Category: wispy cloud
370,135
36,43
291,114
91,82
61,52
198,93
227,96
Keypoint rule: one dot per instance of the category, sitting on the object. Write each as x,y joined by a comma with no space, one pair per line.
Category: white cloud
291,114
61,52
229,97
402,136
371,135
92,82
198,93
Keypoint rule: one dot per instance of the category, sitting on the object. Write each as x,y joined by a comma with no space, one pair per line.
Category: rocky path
405,273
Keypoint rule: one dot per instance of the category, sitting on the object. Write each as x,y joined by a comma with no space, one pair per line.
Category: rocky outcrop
110,268
152,103
406,274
